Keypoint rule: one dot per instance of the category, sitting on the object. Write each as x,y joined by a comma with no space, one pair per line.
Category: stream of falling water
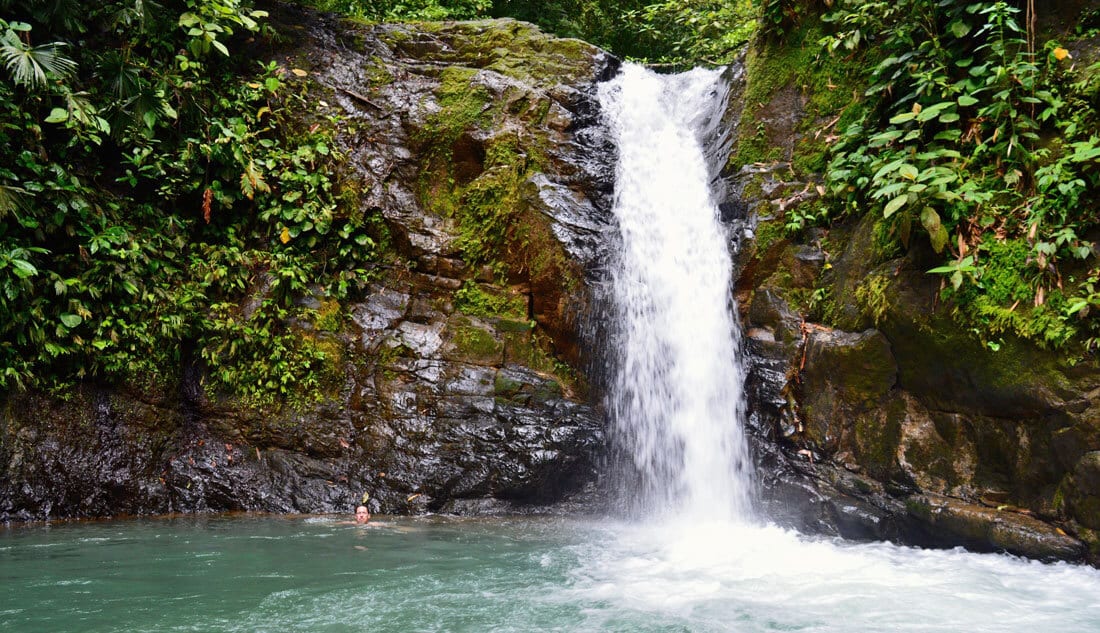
676,395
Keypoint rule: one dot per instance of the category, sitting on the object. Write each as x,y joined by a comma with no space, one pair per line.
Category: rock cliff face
875,415
478,144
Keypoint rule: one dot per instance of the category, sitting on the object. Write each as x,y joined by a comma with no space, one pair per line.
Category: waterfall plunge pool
285,574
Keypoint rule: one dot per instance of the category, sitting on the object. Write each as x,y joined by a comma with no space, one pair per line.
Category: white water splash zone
676,395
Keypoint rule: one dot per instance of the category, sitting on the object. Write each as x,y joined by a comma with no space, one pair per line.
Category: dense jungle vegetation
158,211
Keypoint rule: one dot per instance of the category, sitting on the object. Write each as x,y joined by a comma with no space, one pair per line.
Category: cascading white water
676,394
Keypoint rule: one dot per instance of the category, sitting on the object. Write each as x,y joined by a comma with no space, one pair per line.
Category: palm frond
29,66
123,78
12,200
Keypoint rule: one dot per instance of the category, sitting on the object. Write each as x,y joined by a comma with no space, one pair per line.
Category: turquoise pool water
263,573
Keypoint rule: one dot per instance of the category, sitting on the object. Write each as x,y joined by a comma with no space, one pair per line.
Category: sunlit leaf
894,205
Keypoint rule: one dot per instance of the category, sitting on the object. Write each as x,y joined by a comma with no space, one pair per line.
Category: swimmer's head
362,515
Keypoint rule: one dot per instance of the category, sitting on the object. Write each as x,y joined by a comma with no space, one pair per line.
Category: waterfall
675,392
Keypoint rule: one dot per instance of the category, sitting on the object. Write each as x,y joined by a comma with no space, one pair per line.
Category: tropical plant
969,135
32,66
161,208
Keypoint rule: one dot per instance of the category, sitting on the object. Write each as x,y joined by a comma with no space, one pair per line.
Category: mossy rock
994,530
793,92
846,377
876,438
474,342
515,49
1083,499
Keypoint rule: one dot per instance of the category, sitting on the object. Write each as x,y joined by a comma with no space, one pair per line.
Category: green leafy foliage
669,32
160,210
972,138
406,10
28,65
675,32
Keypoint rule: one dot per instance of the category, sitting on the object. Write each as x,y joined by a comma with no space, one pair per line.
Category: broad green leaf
885,137
939,240
959,28
58,115
932,111
931,220
23,268
71,320
894,205
888,168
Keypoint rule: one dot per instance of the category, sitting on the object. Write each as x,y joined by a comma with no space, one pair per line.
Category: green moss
791,75
886,244
1092,539
476,343
1002,301
871,297
504,387
486,213
377,74
386,355
329,317
515,49
462,103
532,348
483,300
877,439
768,232
511,326
507,390
332,356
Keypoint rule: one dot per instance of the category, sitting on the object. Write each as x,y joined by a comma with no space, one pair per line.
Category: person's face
361,515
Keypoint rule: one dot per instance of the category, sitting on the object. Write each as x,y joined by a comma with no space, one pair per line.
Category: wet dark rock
950,521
